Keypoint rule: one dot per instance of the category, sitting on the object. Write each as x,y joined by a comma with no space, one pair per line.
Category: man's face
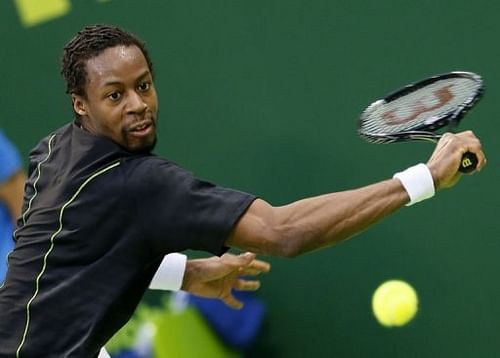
120,101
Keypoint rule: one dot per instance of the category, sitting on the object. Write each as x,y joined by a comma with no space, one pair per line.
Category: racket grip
468,163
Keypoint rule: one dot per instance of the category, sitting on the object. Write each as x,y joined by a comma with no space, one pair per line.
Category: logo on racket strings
443,95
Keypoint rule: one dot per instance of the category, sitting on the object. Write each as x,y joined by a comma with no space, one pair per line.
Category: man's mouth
142,128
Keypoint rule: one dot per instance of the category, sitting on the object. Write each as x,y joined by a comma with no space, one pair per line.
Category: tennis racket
418,111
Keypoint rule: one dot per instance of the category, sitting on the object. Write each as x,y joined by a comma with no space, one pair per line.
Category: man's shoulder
147,163
43,144
151,169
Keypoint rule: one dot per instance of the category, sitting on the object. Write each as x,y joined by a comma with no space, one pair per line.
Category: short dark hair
90,42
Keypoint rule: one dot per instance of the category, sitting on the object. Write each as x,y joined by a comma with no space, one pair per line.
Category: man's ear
79,104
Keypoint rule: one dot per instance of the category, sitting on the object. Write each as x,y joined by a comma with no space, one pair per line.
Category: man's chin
142,148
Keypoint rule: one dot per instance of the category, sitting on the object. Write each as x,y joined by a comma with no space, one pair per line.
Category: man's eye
115,96
144,86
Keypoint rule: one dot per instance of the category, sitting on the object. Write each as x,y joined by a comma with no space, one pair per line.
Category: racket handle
468,163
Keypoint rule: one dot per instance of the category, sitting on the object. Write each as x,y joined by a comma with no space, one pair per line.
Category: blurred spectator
12,178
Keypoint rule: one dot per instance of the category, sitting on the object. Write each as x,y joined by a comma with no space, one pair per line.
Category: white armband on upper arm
170,273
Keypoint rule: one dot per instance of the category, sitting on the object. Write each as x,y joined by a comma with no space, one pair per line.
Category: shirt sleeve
180,212
10,161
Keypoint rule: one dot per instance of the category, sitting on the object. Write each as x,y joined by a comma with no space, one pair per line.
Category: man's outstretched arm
325,220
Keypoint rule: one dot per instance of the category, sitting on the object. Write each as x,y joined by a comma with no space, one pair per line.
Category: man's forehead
116,62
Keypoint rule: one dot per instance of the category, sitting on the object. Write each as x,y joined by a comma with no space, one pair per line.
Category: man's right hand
447,156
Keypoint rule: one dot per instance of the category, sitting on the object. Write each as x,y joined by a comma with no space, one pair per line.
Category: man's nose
135,103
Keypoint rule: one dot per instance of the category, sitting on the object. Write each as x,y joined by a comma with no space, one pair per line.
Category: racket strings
422,107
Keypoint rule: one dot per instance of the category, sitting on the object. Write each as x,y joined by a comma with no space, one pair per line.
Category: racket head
417,111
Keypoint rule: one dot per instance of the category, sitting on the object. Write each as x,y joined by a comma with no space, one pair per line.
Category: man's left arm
214,277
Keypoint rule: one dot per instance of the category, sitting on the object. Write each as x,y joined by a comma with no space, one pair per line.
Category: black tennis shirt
97,220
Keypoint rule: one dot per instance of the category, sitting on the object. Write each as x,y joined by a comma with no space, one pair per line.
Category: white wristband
170,274
418,183
103,353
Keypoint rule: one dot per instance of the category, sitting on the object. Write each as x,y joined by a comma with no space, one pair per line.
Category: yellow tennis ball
394,303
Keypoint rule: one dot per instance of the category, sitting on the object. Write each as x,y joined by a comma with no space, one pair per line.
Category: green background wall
263,96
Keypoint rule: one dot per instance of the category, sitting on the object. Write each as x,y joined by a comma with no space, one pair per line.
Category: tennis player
101,210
